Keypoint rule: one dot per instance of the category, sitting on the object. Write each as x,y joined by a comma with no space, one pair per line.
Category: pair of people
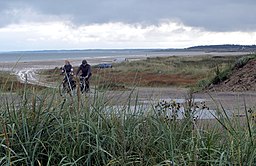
85,69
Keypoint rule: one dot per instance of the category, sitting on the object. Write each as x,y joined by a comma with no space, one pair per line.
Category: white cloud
64,35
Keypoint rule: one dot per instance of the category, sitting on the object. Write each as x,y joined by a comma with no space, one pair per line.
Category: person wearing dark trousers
67,71
85,75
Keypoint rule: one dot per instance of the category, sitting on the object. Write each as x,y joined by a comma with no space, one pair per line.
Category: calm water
80,54
60,55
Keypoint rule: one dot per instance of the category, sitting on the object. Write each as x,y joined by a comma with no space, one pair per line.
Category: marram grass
42,128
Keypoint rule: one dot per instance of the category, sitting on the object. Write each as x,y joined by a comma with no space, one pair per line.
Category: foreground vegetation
42,128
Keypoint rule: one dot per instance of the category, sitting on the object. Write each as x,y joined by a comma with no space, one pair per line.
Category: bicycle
67,86
84,84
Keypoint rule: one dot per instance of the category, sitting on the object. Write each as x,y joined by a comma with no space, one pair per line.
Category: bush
243,61
203,83
221,75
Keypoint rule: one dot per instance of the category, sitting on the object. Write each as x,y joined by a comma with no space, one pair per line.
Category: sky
118,24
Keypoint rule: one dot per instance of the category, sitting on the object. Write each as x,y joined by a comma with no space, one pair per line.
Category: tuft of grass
243,60
111,86
221,75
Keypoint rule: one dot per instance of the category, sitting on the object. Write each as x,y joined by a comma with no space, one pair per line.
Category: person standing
85,75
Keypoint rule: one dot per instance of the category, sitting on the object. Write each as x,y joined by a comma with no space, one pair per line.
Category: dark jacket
67,68
86,70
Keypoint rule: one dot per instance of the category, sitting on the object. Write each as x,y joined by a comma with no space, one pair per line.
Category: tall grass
42,128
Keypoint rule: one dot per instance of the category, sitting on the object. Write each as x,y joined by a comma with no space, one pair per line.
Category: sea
27,56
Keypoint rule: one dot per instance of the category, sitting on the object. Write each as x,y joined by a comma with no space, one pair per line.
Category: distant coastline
48,55
207,48
224,48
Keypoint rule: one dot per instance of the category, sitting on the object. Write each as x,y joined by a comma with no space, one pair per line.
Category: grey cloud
215,15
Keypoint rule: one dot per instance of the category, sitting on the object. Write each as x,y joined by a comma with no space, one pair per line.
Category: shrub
221,75
242,61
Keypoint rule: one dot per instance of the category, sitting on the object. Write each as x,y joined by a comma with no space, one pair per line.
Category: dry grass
164,71
157,71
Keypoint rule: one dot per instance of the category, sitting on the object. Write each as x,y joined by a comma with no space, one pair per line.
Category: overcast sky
88,24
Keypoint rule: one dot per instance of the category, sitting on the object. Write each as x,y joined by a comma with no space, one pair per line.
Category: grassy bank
195,71
223,74
42,128
166,71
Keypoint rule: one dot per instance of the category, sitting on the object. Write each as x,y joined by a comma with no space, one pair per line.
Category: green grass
42,128
177,65
190,71
200,70
7,80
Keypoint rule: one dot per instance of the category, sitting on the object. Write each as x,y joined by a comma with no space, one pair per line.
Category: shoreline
50,64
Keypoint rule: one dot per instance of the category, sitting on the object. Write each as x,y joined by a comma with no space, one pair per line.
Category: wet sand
236,102
7,66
